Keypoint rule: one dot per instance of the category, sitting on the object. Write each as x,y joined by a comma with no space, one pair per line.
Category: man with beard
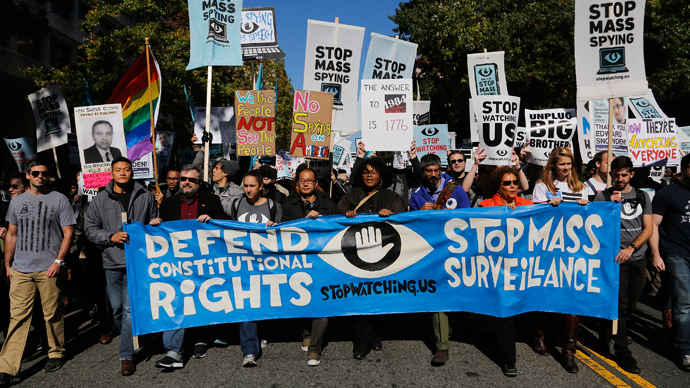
636,229
438,192
188,204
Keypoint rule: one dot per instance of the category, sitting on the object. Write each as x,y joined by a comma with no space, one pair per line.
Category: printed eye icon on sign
485,71
502,152
248,27
643,103
612,60
430,131
14,146
335,89
217,30
374,249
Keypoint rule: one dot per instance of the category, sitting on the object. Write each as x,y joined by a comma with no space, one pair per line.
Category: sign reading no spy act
493,261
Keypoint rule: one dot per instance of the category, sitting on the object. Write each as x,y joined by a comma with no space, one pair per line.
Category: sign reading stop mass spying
254,120
548,129
497,117
493,261
311,124
51,116
214,33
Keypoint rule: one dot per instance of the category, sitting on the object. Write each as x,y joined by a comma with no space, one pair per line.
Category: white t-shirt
542,194
598,186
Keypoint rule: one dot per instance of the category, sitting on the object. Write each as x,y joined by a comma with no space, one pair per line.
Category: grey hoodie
103,219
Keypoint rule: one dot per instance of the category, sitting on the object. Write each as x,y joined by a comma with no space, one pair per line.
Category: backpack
236,206
641,196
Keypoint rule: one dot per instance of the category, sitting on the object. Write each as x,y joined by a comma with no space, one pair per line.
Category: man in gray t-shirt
40,230
636,229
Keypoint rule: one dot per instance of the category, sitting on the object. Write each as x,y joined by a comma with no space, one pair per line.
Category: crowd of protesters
61,247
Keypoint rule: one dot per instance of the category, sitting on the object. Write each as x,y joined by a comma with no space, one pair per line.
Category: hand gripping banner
493,261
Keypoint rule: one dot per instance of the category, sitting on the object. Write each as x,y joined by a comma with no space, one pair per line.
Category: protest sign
214,33
474,124
282,168
22,151
386,114
683,139
600,118
656,173
498,117
259,34
451,141
311,124
101,139
421,113
645,106
331,64
341,152
187,156
389,58
520,137
290,163
585,131
401,160
142,168
548,129
51,116
653,142
255,121
609,57
164,142
487,74
432,139
83,191
222,128
492,261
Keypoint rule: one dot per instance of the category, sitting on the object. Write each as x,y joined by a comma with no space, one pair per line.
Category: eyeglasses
370,173
192,180
458,161
44,174
310,181
172,179
508,183
16,187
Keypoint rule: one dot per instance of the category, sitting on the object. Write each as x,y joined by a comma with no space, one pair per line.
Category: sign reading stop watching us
387,114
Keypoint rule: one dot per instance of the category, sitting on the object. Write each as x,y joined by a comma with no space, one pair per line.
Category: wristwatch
61,263
634,246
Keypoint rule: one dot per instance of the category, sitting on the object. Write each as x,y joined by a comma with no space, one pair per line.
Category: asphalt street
403,362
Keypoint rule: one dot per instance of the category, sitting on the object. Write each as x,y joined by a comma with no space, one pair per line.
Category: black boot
571,329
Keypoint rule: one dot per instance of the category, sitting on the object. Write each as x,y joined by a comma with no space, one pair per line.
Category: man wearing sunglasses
103,226
188,204
41,224
636,228
456,165
438,192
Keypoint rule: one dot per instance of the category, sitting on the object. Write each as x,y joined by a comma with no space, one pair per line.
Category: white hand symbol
253,218
370,245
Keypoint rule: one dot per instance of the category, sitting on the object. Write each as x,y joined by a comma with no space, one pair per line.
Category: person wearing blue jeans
122,197
670,244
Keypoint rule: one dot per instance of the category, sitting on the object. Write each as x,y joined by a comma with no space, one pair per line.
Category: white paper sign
653,142
498,117
645,107
387,114
421,113
585,131
51,116
487,74
609,56
331,64
222,128
548,129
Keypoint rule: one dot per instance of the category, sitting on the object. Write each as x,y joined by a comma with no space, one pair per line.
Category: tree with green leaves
538,40
116,30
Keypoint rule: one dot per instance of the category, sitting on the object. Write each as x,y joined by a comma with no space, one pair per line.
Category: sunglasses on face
44,174
457,161
16,187
508,183
192,180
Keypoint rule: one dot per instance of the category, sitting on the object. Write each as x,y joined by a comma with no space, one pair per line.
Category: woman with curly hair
369,195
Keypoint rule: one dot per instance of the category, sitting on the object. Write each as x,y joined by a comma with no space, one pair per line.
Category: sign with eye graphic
432,139
487,74
492,261
609,56
497,117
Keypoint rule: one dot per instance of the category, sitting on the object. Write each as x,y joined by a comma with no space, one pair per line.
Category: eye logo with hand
248,27
373,249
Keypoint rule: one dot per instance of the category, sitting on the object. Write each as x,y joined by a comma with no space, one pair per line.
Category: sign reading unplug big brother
493,261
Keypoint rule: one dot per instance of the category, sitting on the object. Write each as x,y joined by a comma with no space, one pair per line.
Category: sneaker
628,364
440,358
305,344
169,362
54,364
264,343
314,359
6,380
510,370
199,351
685,362
249,361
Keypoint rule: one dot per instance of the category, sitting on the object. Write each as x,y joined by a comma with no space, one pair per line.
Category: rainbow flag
132,93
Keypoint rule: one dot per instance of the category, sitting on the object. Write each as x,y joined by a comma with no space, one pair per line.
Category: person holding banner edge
438,192
560,183
309,201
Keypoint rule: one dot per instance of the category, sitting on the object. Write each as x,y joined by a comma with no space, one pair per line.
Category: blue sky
292,16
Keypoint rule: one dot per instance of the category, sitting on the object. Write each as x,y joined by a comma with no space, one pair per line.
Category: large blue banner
492,261
214,33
